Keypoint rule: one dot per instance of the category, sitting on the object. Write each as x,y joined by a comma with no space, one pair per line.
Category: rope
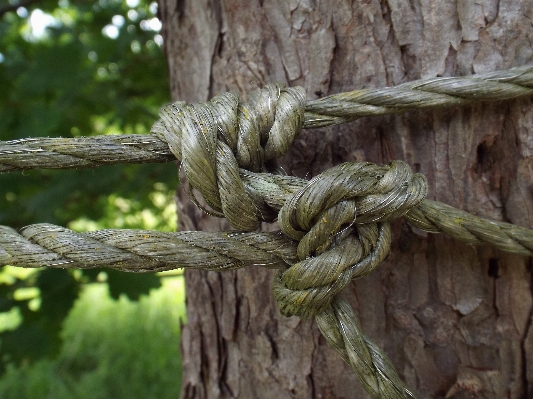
443,92
422,94
46,245
334,228
81,152
374,370
436,217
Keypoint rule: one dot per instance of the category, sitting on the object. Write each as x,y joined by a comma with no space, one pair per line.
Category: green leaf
131,284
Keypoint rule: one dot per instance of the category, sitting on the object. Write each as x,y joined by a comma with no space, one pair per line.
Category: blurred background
78,68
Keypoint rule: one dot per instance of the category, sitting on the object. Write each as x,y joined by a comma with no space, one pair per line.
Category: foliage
76,81
112,349
97,68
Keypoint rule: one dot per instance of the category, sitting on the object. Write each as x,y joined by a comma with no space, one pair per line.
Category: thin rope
334,228
442,92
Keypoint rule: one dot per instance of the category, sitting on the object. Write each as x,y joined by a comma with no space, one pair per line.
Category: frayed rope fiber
334,228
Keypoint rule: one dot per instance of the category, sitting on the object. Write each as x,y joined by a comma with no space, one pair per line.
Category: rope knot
341,218
214,139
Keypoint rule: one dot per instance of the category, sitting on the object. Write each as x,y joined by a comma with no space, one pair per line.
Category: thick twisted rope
149,251
335,228
332,252
46,245
339,222
90,152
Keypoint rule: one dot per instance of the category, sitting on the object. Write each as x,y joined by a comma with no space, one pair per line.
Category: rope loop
341,221
214,139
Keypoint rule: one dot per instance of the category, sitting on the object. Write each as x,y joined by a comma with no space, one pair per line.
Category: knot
341,218
214,139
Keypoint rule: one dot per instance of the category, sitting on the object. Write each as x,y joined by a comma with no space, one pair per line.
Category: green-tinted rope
340,222
437,217
421,94
85,152
46,245
335,228
81,152
374,370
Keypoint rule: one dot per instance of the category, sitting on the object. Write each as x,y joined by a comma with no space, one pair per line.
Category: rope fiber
334,228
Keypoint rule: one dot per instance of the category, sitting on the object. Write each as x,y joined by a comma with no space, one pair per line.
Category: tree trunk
454,319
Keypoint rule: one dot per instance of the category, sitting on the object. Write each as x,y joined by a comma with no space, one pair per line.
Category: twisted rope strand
421,94
68,153
82,152
436,217
372,367
46,245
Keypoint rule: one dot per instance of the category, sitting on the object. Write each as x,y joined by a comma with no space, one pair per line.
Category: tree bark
454,319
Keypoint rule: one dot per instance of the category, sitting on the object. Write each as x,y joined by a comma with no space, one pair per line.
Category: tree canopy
74,69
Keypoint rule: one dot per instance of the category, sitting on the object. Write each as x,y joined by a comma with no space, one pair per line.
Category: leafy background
75,69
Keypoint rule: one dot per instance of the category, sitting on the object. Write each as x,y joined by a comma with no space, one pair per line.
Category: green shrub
111,349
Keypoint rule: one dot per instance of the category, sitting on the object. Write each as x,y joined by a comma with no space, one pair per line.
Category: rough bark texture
455,320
